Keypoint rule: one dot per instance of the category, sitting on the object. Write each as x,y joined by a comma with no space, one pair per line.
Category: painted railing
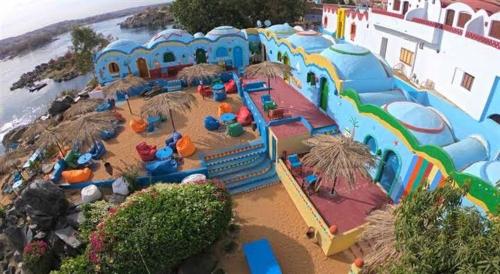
388,13
480,191
483,39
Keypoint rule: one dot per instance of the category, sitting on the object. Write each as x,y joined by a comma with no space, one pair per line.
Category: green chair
269,105
71,159
235,130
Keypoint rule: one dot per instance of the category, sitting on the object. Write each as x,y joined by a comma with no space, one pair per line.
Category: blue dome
199,35
427,125
311,41
170,35
121,45
223,30
466,152
489,171
282,30
354,62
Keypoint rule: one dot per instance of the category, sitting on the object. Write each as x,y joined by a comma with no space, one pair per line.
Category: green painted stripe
420,175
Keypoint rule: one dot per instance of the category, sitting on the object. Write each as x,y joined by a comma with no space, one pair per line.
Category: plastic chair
244,116
97,150
224,108
235,130
146,152
185,147
211,123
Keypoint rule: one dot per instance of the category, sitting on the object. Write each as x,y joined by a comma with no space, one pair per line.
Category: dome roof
223,30
122,45
170,35
310,40
282,30
489,171
199,35
427,125
354,62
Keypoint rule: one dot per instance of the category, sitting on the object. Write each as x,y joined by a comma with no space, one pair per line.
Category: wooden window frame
467,81
113,68
406,56
461,21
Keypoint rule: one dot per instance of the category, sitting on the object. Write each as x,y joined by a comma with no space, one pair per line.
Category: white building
452,48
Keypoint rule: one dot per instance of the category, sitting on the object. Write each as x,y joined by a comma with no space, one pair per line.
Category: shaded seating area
146,152
260,257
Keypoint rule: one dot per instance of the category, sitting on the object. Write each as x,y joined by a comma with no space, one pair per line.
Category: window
495,29
371,144
325,21
279,56
463,18
311,78
113,68
495,118
467,81
397,5
450,16
406,56
353,31
168,57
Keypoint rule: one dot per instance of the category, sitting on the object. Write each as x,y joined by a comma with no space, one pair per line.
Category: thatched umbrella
166,102
12,159
124,84
87,128
43,132
199,72
82,107
269,70
338,156
381,232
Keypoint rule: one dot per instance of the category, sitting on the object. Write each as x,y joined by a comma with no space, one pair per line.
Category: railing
388,13
483,39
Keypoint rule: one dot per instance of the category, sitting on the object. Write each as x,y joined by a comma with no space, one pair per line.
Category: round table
228,118
164,153
85,159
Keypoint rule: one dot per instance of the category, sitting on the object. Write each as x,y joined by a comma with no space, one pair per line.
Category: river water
20,107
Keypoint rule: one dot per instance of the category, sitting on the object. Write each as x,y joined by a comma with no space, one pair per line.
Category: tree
435,234
204,15
85,43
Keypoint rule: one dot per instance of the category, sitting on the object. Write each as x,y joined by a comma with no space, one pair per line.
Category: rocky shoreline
154,18
60,69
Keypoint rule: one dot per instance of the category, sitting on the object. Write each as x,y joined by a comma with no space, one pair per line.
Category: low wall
329,243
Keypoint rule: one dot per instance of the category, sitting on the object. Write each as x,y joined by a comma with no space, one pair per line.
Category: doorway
142,66
388,170
273,148
286,61
450,16
238,57
323,97
383,47
406,6
201,56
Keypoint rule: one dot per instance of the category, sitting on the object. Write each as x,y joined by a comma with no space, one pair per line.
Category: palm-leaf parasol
199,72
124,84
269,70
338,156
166,102
12,159
381,232
87,128
43,132
82,107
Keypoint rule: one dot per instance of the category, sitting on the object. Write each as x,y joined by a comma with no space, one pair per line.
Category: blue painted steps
242,168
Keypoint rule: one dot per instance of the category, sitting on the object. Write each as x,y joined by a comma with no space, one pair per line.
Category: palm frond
124,84
338,157
267,69
199,72
161,104
82,107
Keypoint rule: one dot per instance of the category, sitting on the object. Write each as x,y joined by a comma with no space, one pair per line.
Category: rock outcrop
155,18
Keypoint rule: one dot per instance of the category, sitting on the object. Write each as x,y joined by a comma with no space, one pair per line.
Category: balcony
395,22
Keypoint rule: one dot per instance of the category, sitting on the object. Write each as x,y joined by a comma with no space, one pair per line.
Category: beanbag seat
224,108
244,117
103,107
185,147
211,123
146,152
171,141
235,130
164,167
204,91
138,125
57,172
230,86
77,175
97,150
108,134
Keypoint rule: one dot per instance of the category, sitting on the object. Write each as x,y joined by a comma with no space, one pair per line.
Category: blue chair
172,140
97,150
260,257
108,134
294,161
164,167
310,179
211,123
57,172
266,99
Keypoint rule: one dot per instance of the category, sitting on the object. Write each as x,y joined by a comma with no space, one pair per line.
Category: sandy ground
188,123
270,213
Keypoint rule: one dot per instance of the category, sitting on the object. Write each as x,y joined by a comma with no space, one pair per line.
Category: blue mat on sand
260,257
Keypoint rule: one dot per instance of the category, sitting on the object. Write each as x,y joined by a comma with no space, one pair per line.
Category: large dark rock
201,263
60,105
13,136
16,237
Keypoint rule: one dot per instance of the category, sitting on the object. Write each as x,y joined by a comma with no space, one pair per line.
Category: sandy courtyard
270,213
188,123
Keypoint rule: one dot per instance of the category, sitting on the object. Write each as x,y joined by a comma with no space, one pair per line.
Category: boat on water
37,87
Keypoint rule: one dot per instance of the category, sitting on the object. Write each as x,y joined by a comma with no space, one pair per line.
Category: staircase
242,168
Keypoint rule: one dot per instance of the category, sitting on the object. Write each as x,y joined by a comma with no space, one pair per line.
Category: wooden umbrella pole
128,104
171,119
269,85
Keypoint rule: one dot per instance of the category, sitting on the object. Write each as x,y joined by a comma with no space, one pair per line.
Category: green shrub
93,214
76,265
157,228
37,257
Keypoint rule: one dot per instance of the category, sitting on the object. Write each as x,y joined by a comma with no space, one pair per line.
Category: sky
21,16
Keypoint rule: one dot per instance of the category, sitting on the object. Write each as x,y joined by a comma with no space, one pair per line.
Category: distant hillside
13,46
153,17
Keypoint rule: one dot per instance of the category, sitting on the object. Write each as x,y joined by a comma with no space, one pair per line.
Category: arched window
495,118
311,78
113,68
371,143
279,56
168,57
463,18
325,21
221,52
353,31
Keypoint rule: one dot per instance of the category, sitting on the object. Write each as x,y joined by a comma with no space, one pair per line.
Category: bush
157,228
93,214
37,257
76,265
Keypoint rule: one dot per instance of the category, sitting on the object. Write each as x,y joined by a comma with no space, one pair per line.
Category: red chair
244,117
145,151
230,86
276,114
204,91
